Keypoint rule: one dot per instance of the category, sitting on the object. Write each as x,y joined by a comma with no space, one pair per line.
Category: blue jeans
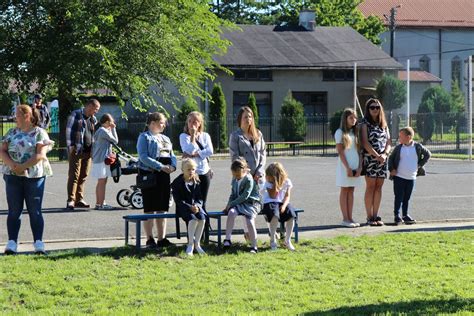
30,190
402,189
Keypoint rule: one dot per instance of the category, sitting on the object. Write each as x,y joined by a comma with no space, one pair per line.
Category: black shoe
82,204
378,220
253,250
398,220
164,243
408,220
70,205
150,243
227,243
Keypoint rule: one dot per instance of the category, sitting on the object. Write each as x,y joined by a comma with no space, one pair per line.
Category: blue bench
217,215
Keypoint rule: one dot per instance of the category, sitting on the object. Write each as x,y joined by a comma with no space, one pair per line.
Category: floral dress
377,138
22,146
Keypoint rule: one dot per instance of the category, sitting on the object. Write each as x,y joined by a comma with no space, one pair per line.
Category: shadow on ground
420,307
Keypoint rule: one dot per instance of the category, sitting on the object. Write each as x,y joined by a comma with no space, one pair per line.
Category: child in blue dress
244,200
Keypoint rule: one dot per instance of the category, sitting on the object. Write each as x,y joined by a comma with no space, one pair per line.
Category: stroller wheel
123,197
136,199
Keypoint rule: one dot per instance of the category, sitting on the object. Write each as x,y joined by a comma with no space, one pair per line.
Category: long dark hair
380,118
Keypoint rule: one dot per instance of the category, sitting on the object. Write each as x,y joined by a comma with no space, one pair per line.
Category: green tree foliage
5,104
125,46
328,13
392,92
252,103
335,121
217,117
293,122
457,98
425,121
186,108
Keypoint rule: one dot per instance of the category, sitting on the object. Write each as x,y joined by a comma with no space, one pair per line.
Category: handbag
146,180
110,159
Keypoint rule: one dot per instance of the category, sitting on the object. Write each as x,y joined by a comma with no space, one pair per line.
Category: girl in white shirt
276,203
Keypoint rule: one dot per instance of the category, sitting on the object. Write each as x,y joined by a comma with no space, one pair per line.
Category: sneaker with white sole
289,245
273,246
39,247
356,224
11,247
104,207
189,250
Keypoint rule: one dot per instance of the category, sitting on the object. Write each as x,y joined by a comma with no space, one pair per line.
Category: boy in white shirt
405,164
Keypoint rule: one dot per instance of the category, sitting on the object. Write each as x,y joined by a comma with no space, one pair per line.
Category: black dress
185,195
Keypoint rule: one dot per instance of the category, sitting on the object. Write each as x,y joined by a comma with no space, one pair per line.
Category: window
315,103
252,75
338,75
425,63
456,70
264,102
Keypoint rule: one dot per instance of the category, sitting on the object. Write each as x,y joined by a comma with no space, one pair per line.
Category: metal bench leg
138,229
126,232
178,228
219,231
207,226
295,229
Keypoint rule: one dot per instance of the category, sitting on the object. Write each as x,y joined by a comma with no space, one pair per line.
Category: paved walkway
446,193
103,244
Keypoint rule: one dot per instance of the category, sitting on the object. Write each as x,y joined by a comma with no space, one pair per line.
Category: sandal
227,243
371,222
378,220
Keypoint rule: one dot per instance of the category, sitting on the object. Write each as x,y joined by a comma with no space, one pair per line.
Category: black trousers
402,189
205,184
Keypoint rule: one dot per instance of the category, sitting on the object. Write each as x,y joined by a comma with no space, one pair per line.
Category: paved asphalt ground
446,193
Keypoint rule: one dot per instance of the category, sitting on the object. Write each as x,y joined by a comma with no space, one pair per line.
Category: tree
132,48
328,13
335,121
217,117
441,101
391,92
293,122
457,98
425,119
186,108
252,103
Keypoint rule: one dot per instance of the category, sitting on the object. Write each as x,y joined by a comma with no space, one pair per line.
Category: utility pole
392,25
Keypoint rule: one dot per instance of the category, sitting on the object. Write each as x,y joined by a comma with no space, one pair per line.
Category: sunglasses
374,107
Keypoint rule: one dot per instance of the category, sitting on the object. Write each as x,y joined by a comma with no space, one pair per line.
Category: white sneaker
348,224
289,245
189,250
273,246
356,224
199,249
104,207
11,247
39,247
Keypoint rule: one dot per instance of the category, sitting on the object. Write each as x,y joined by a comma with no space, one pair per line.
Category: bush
217,125
425,121
252,103
293,122
335,121
188,107
391,92
5,104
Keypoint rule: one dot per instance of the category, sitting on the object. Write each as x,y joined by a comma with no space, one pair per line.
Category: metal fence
445,134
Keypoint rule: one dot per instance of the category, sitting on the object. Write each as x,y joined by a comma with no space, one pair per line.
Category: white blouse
203,154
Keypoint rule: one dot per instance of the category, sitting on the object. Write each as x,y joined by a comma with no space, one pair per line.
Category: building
314,63
437,36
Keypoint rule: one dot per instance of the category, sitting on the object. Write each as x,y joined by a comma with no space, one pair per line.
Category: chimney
307,19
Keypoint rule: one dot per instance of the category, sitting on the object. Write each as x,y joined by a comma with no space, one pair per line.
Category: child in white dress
349,164
276,203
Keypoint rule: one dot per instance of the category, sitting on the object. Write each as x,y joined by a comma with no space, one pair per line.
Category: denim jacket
247,192
149,150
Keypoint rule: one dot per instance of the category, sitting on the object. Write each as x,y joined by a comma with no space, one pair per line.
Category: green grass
408,273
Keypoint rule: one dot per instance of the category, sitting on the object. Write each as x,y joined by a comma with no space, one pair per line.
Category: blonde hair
278,173
408,131
381,117
34,113
253,131
346,139
189,162
199,117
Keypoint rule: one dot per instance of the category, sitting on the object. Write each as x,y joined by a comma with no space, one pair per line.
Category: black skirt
273,209
157,198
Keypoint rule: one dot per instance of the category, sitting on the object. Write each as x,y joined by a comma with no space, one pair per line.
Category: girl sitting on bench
189,204
244,200
276,203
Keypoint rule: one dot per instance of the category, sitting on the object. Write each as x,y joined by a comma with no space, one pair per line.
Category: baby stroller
133,195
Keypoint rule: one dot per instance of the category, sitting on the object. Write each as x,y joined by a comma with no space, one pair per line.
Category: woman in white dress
349,164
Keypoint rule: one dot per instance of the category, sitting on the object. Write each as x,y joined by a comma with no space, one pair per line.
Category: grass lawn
413,273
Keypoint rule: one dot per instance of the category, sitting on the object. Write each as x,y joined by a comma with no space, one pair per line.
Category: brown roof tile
418,75
423,13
